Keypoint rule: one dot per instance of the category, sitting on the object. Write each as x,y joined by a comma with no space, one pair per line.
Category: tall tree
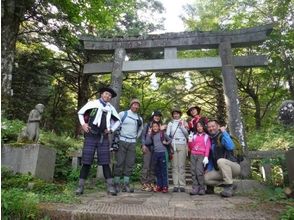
12,14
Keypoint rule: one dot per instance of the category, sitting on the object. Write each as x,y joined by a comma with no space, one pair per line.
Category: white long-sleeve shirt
179,131
97,104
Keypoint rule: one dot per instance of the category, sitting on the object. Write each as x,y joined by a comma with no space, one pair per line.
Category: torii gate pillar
231,92
117,75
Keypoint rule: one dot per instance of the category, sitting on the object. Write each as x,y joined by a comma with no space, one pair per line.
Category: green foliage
136,175
273,137
65,145
18,204
10,130
288,214
21,194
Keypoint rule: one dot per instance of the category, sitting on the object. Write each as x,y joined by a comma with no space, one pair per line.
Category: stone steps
187,173
148,205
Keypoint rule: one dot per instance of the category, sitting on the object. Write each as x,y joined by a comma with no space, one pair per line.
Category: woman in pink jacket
199,145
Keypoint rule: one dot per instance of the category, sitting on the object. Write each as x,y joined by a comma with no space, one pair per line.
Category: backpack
139,121
115,139
238,152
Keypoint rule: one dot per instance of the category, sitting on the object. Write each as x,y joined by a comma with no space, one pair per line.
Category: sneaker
201,191
182,189
158,189
164,189
153,187
175,189
195,190
145,187
228,191
209,190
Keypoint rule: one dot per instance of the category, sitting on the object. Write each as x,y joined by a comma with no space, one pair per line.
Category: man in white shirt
131,129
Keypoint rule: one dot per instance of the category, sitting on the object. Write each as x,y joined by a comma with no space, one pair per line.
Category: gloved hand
205,161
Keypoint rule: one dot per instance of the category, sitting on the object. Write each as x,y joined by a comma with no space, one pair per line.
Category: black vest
220,152
95,130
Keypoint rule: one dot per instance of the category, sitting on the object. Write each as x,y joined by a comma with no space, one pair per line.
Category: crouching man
223,166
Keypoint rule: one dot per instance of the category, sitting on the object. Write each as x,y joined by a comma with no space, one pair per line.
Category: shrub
18,204
10,130
64,145
288,213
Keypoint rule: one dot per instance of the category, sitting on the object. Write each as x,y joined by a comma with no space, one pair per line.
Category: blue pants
160,165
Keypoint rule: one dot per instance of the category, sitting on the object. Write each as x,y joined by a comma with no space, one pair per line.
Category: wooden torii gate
170,43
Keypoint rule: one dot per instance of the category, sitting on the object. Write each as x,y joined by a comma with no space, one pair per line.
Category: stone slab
148,205
36,159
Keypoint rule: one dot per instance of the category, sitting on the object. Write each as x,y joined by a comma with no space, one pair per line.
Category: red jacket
192,124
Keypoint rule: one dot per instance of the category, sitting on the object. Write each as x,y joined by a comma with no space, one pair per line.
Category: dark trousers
147,175
197,170
160,165
125,159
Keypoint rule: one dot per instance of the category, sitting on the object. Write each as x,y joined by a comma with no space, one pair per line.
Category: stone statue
286,113
31,131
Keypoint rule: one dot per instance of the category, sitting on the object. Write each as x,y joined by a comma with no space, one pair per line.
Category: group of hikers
209,145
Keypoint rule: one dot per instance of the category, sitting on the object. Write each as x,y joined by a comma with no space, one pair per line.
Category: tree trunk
83,95
257,113
12,13
290,79
221,106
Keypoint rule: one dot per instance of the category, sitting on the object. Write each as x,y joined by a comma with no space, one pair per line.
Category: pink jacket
200,144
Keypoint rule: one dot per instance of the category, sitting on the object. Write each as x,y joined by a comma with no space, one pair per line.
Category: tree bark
83,95
12,13
220,103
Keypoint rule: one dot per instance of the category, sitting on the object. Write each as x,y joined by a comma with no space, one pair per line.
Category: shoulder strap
206,138
219,139
124,116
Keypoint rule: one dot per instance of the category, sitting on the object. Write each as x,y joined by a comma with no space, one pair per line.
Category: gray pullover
155,140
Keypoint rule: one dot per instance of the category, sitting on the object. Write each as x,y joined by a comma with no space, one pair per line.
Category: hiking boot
182,189
209,190
201,191
110,189
164,189
127,188
228,190
117,187
80,189
175,189
195,190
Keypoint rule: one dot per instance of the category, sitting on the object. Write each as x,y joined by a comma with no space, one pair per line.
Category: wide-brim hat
108,89
191,107
176,110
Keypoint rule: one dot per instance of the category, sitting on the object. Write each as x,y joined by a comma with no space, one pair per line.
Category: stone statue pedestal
36,159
